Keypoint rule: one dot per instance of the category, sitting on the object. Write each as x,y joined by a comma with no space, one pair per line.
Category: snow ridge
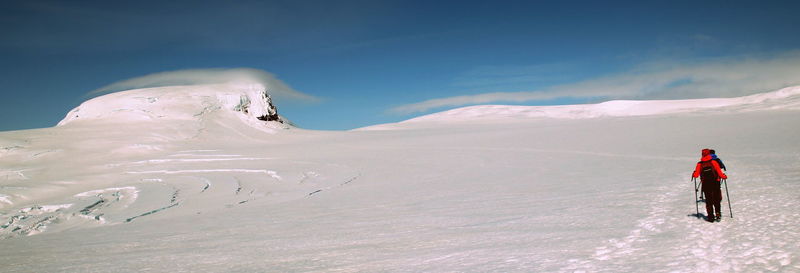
786,98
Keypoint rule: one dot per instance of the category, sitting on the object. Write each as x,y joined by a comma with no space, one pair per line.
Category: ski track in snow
745,243
741,244
618,251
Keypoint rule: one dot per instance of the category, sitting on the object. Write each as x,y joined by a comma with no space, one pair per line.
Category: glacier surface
183,179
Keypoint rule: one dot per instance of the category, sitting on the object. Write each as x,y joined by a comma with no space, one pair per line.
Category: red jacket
713,163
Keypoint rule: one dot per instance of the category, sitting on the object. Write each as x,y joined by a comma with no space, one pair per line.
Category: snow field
213,194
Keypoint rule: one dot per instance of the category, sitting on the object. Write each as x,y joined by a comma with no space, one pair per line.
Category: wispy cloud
722,77
494,75
275,87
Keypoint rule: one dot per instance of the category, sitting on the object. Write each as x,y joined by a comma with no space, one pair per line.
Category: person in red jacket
710,174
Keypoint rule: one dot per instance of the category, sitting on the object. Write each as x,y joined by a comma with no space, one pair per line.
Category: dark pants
713,194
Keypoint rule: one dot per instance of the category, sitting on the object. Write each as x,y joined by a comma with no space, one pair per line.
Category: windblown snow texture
193,179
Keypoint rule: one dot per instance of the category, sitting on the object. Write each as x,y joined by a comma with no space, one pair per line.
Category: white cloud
723,77
275,87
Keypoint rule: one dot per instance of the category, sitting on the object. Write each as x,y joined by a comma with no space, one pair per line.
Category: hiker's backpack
707,172
719,162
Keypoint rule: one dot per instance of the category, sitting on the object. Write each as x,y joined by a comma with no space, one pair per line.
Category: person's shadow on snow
697,215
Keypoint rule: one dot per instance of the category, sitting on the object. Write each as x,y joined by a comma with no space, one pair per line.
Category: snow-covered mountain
192,178
787,98
251,102
118,127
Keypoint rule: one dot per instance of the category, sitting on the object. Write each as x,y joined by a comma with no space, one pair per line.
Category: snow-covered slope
152,182
122,138
787,98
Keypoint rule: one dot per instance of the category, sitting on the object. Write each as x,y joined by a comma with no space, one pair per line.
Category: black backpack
707,172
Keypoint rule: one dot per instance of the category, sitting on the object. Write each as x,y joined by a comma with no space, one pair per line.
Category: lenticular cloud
276,87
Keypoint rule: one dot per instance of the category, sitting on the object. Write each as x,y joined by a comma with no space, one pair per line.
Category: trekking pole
697,189
728,195
696,206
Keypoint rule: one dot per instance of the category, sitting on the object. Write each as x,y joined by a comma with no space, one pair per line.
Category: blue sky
370,62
